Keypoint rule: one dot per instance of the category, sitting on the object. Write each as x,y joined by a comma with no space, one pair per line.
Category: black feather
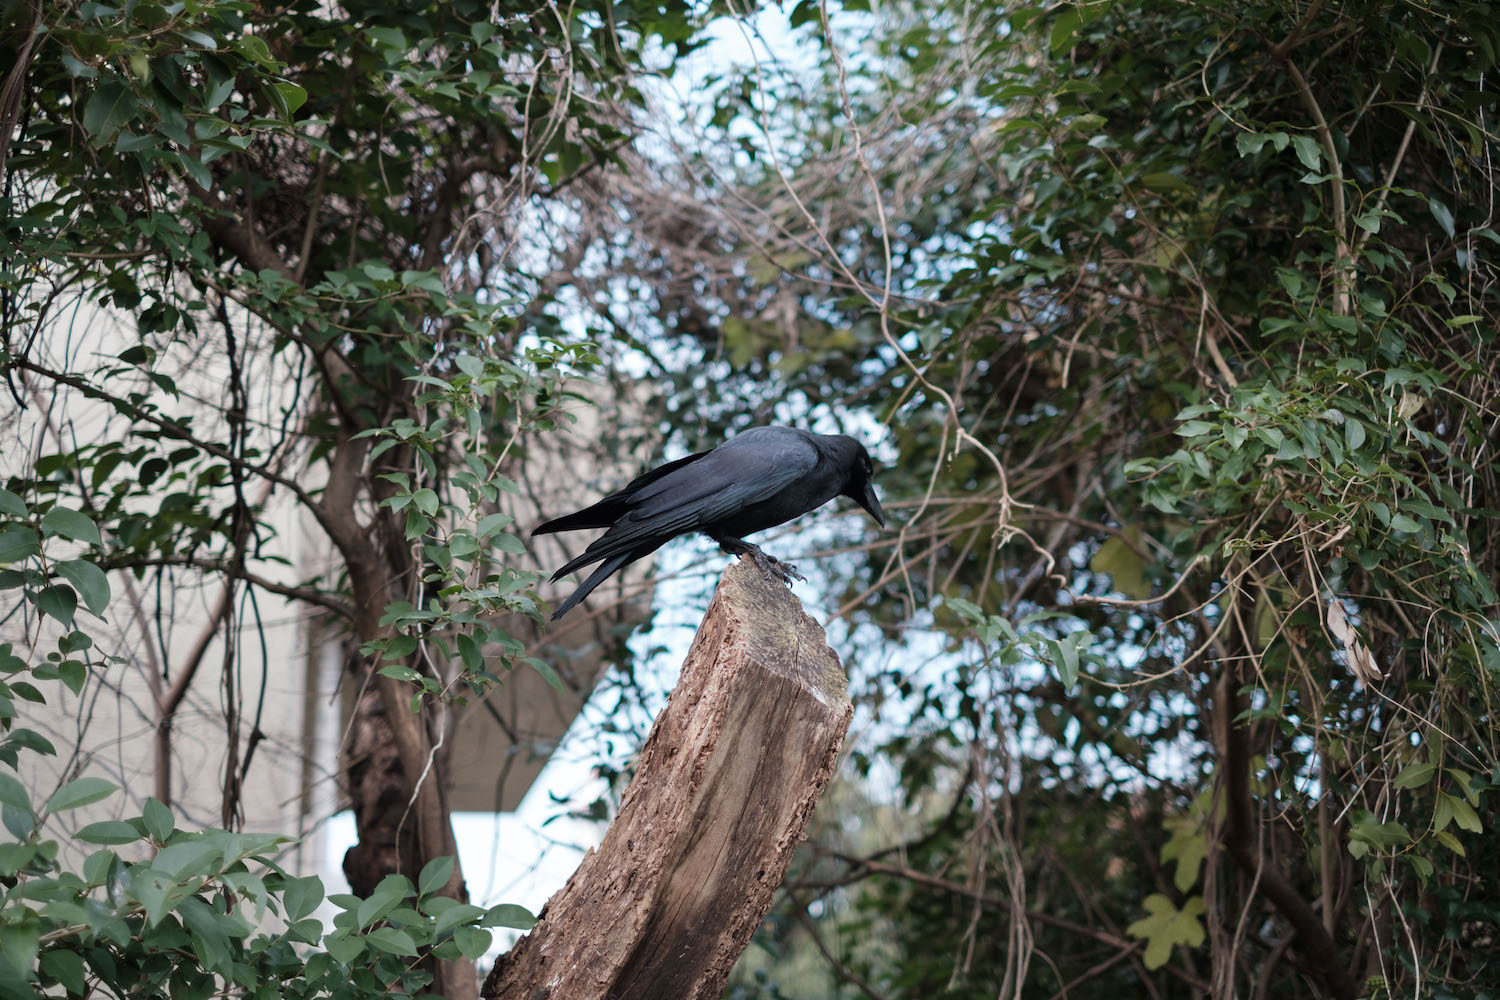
608,511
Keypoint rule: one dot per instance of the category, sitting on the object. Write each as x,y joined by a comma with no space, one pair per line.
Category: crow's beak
869,502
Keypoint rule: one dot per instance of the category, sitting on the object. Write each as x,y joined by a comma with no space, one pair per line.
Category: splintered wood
722,794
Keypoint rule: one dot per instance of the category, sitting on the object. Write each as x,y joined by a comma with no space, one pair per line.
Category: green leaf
435,875
1064,659
470,652
198,38
149,888
388,893
20,822
158,819
291,94
129,142
186,858
58,601
493,523
1063,30
1188,847
1452,843
965,609
33,741
18,542
13,793
210,936
1415,776
1308,151
12,504
305,931
74,674
1466,782
344,948
1165,926
390,38
110,831
301,896
1250,143
256,48
90,582
66,967
459,913
27,692
472,941
548,674
194,169
1166,182
70,523
1379,834
1442,214
392,940
1463,814
80,792
509,915
510,544
1400,522
218,92
400,672
111,106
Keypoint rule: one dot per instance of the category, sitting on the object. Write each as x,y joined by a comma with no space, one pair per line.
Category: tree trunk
722,795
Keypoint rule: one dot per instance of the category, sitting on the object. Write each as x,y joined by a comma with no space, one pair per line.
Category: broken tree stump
722,794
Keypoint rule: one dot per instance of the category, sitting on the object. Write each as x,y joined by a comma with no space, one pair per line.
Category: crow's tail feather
588,555
601,515
600,573
613,507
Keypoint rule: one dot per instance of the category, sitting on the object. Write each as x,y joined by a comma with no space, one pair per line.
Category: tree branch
166,708
1343,262
307,595
808,924
1316,945
1299,32
240,238
15,83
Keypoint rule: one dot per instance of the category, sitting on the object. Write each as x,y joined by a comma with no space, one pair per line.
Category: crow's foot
769,565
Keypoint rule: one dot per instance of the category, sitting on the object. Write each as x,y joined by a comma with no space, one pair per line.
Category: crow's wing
609,510
744,471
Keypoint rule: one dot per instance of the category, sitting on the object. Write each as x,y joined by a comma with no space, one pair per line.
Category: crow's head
859,484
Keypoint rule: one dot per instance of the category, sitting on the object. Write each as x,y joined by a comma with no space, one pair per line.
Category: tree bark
722,795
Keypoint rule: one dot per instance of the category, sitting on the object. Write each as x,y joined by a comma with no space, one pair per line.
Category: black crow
760,478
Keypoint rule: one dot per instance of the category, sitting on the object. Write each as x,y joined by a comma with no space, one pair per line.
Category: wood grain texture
722,795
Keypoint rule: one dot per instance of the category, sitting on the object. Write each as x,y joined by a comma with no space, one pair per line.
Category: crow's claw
772,567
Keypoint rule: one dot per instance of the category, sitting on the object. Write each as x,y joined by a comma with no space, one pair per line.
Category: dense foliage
1171,322
1197,414
297,226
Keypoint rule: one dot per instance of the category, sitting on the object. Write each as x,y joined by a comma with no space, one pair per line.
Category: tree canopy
1170,323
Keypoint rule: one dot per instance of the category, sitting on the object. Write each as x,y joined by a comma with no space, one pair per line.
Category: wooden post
722,794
